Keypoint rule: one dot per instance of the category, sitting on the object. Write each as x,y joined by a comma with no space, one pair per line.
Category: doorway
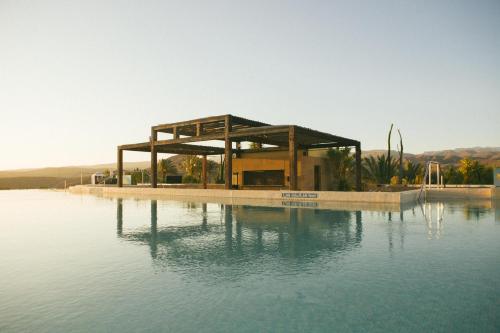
317,178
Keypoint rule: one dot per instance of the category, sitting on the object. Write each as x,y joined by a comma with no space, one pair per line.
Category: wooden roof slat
161,127
174,149
242,130
324,137
208,121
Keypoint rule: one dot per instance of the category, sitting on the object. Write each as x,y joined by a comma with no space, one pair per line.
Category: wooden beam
199,129
256,131
162,127
154,159
204,171
228,154
292,153
329,145
358,167
120,167
143,146
188,149
205,137
174,132
324,137
209,120
247,122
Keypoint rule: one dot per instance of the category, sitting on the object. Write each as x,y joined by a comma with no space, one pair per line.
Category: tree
220,178
192,166
378,169
453,176
165,167
414,172
343,165
466,169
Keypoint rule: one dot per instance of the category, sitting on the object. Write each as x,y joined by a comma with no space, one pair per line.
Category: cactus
388,176
400,158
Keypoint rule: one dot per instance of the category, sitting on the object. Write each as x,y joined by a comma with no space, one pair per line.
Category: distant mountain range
56,177
485,155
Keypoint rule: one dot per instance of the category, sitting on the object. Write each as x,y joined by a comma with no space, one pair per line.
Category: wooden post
120,167
198,129
204,171
228,170
292,154
358,167
174,132
154,160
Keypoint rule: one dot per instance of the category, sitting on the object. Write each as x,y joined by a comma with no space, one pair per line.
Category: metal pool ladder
427,176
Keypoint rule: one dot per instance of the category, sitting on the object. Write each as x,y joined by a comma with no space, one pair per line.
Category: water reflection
433,214
246,239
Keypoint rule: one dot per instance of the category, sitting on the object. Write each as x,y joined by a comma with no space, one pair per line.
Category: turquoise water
86,264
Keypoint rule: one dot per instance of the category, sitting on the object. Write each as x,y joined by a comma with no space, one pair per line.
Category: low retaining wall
288,196
476,192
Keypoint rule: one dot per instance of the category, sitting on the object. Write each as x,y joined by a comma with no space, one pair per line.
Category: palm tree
165,167
343,164
414,172
379,169
192,166
466,169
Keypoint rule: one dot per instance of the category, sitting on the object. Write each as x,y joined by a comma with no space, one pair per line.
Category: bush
188,179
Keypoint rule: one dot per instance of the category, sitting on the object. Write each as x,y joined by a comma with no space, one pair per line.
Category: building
285,156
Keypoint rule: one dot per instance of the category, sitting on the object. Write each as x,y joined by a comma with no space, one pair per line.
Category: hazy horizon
78,79
214,157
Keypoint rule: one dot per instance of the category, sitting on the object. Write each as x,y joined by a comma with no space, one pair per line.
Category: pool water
73,263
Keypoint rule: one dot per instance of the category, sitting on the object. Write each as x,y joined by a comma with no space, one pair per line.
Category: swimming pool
85,263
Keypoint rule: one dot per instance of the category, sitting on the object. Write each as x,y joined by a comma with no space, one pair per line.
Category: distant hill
56,177
485,155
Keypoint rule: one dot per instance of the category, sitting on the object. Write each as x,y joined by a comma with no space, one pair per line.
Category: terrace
185,136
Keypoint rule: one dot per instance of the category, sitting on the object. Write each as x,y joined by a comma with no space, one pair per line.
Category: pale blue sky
78,78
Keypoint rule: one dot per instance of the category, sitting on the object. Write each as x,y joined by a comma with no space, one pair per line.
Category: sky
78,78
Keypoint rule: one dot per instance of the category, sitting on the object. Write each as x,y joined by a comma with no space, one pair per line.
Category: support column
438,178
430,175
358,167
154,160
292,155
120,167
204,171
228,152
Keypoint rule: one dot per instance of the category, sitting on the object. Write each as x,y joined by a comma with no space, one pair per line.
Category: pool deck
293,196
464,192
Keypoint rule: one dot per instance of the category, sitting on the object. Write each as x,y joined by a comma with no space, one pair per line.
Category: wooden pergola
229,128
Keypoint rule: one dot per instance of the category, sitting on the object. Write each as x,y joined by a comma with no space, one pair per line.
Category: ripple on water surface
84,263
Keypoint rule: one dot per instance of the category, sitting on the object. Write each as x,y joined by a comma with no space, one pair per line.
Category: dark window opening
264,178
317,178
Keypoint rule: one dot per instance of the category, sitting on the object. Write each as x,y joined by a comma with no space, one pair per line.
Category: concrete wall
485,192
288,196
278,160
